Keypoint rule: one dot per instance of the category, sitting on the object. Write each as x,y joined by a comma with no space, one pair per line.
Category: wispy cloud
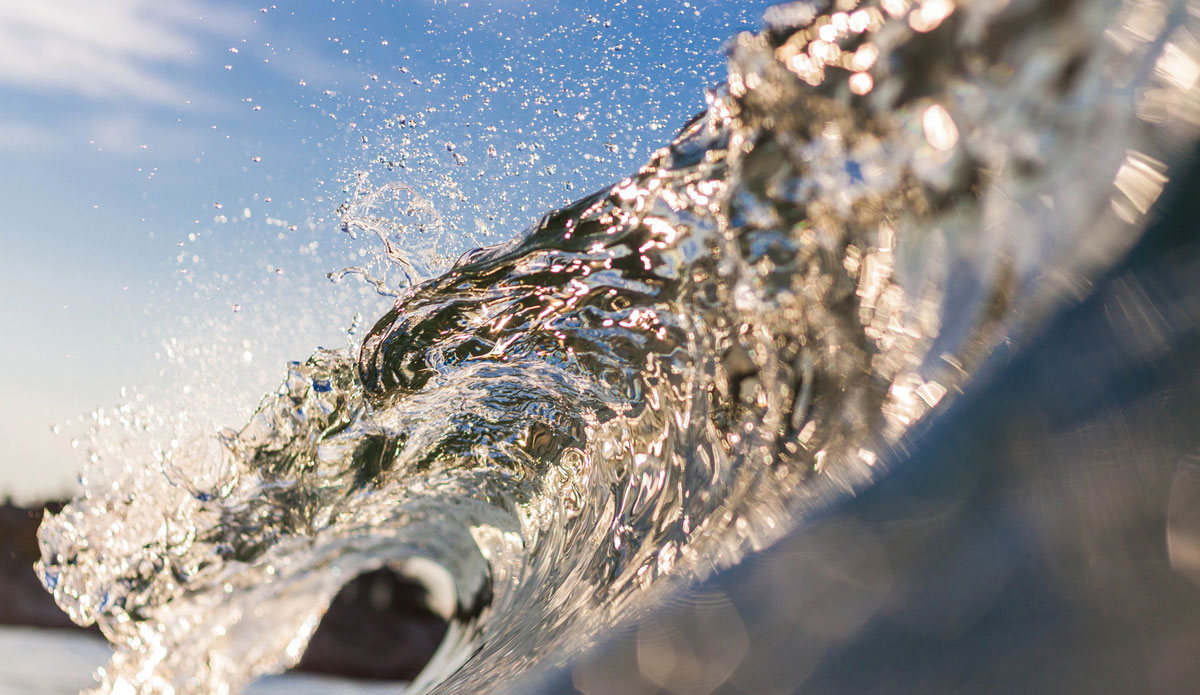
112,50
116,74
19,136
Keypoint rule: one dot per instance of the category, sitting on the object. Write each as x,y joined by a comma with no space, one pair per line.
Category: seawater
53,662
672,372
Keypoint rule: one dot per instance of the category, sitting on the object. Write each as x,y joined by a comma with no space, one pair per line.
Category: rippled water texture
671,372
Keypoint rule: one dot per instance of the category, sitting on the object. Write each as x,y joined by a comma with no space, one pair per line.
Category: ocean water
559,432
54,662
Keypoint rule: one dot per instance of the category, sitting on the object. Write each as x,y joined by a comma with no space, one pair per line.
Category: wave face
671,372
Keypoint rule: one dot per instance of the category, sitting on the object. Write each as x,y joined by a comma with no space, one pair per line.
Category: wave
672,372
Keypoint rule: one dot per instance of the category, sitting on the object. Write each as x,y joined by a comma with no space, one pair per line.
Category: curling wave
668,373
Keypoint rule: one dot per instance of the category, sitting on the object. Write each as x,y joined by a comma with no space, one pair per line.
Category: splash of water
670,372
413,236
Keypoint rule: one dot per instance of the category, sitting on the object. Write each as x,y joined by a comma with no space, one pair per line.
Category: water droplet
861,83
940,131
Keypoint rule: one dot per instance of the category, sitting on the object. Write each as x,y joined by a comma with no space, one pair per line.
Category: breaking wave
666,374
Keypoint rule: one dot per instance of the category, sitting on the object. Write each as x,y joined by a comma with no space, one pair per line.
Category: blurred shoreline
27,601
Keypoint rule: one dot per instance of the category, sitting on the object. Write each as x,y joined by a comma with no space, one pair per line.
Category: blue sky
172,171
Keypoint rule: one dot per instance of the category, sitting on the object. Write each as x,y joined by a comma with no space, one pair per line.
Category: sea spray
672,371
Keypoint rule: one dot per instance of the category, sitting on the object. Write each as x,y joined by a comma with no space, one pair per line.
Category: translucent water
669,373
52,662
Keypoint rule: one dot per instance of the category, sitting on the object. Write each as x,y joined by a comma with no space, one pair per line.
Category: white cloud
125,68
114,49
